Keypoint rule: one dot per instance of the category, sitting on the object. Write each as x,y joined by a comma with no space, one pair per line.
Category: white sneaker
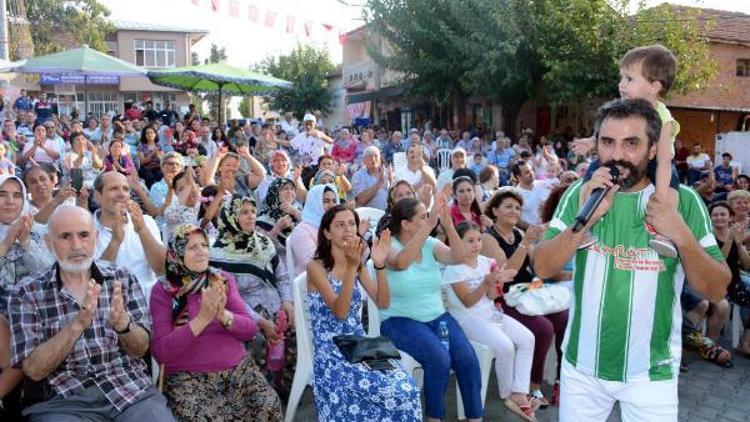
663,246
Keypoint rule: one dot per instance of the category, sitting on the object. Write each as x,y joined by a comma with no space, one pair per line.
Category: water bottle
275,352
443,334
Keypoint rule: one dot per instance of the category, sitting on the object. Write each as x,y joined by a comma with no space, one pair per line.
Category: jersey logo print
632,259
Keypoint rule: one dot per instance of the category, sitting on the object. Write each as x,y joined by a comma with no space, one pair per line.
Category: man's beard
73,267
635,173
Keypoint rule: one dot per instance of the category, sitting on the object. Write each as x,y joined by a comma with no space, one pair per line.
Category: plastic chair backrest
290,260
302,323
372,214
373,313
443,159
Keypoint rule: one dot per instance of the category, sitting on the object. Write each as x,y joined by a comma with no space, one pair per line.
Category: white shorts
584,398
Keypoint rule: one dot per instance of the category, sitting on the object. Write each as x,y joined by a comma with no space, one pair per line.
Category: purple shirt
215,349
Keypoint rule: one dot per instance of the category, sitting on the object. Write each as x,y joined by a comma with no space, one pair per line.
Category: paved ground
707,393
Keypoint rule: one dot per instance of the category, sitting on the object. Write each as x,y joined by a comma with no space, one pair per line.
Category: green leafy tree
58,25
306,67
514,50
246,106
216,55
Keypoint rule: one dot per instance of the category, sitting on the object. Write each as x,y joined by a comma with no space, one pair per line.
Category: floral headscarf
240,252
272,203
180,281
318,179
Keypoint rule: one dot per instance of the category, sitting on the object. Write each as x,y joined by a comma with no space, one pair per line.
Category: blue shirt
723,174
501,158
363,180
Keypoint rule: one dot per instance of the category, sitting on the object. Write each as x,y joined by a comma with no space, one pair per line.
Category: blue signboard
72,78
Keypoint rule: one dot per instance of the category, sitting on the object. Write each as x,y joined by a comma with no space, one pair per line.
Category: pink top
304,242
458,217
216,348
345,154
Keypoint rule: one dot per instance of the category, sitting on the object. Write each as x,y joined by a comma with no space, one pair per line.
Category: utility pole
4,44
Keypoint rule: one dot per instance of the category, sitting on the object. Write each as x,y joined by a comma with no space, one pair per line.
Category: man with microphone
623,340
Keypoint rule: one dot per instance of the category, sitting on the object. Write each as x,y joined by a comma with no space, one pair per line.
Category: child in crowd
648,73
478,164
474,284
6,166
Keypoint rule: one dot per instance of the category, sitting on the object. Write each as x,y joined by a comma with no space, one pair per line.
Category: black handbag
358,349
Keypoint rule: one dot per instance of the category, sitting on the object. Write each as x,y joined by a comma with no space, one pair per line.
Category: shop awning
391,91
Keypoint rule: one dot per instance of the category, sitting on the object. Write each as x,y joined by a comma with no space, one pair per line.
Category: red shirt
458,217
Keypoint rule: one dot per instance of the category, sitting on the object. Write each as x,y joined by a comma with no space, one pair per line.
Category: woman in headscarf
262,281
21,252
304,237
278,216
200,327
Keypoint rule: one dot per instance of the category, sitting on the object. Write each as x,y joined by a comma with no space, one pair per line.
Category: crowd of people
149,242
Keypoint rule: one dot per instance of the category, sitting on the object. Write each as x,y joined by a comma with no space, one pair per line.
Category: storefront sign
72,78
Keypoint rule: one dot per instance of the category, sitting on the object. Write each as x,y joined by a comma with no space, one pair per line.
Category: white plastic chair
303,374
443,159
290,261
484,354
399,161
372,214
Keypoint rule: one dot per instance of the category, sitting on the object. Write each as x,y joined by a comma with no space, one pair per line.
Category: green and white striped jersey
625,316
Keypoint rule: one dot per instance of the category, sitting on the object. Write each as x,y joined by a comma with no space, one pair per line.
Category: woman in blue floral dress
346,391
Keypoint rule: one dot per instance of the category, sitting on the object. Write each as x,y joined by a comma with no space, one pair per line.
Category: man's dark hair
726,154
516,167
623,109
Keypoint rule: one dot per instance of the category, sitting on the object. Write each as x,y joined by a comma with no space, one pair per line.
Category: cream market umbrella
218,78
84,61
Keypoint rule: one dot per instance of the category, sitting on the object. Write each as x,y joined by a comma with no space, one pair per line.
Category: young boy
478,165
648,73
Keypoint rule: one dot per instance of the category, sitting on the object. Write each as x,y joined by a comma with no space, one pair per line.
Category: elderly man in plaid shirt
82,328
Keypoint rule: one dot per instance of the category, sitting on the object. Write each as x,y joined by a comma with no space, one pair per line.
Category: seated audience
335,280
200,327
83,326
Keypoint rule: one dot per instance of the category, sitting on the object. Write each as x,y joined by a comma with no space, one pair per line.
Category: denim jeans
421,341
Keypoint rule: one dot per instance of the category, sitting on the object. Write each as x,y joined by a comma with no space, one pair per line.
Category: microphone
597,195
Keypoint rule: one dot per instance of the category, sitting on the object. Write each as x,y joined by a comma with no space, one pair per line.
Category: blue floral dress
351,392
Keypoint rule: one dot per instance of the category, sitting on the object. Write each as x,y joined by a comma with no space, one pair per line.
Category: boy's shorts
674,182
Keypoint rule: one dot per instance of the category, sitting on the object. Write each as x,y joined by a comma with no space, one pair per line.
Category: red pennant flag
342,37
308,28
253,13
197,2
327,27
270,19
215,5
234,8
289,24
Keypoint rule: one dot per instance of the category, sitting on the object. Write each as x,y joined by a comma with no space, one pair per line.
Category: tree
246,105
306,67
514,50
57,25
216,55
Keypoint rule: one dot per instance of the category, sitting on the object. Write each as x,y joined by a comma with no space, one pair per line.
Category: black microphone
597,195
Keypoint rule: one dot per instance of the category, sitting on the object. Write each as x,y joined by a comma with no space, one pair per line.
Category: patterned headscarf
180,281
272,203
239,252
318,179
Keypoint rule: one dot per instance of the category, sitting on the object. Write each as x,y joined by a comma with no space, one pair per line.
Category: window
743,67
154,53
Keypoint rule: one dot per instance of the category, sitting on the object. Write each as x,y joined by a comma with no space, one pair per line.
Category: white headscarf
313,211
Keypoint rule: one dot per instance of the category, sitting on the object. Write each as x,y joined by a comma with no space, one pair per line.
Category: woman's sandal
716,355
526,412
543,403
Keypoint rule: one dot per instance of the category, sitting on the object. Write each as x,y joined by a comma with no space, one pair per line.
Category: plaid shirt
40,307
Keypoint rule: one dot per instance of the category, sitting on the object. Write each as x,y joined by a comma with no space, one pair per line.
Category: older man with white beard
83,327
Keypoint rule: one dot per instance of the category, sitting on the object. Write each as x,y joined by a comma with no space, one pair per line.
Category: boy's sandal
526,412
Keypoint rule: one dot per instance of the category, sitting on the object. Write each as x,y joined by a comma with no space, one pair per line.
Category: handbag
533,299
358,349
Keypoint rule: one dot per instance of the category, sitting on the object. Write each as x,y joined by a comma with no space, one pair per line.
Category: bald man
125,236
83,327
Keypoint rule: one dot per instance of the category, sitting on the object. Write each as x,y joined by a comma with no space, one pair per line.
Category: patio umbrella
218,78
84,61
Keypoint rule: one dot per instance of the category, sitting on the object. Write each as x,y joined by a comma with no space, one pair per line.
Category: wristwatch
127,328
